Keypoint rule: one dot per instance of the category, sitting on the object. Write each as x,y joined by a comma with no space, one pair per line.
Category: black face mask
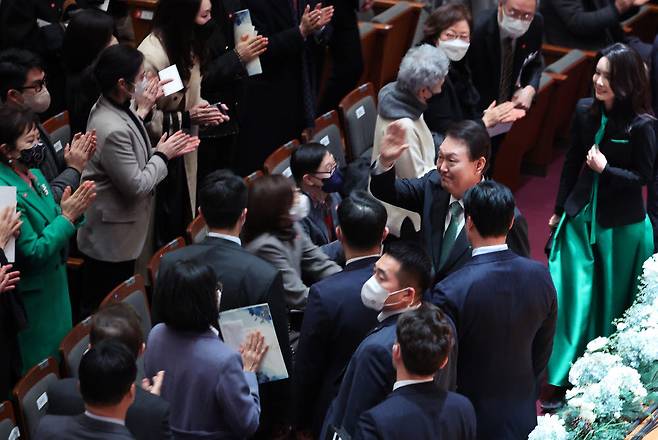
204,31
32,157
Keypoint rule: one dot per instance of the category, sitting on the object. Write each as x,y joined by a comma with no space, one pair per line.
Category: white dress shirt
404,383
105,419
461,219
232,238
352,260
489,249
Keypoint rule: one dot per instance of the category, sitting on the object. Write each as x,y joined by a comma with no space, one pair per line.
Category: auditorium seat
133,292
523,136
31,396
197,230
358,111
154,263
59,129
329,133
9,429
73,346
279,161
249,180
141,12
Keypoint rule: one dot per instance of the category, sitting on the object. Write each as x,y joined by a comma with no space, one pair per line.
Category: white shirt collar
352,260
105,419
404,383
383,316
489,249
232,238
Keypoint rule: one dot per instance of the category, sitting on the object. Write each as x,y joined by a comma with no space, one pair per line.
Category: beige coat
415,162
156,59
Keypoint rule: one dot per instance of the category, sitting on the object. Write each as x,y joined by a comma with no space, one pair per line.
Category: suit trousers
99,278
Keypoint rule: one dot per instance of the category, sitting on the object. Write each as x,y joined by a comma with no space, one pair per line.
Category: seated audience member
148,416
127,169
449,28
400,279
317,175
335,319
591,25
246,279
272,231
212,390
417,408
462,162
504,308
107,384
44,235
23,86
422,72
87,34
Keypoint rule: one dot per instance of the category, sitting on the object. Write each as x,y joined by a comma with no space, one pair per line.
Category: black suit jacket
147,417
505,308
426,197
630,150
484,56
80,427
335,323
419,411
54,168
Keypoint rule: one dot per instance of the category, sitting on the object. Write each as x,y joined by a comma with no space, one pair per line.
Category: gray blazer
126,173
298,260
80,427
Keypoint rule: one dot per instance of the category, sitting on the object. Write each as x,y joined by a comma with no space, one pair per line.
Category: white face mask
373,295
300,208
455,49
38,102
513,27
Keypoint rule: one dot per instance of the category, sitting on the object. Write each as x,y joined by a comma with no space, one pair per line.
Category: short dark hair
442,18
14,66
362,220
222,198
270,199
415,264
306,160
106,373
116,62
474,136
186,297
425,338
117,321
88,33
491,208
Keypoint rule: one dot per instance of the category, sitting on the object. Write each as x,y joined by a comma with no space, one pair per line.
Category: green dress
595,272
41,258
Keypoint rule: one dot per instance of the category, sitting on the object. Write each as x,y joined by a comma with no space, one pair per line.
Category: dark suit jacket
54,168
631,152
583,24
419,411
147,417
505,308
484,56
426,197
335,323
80,427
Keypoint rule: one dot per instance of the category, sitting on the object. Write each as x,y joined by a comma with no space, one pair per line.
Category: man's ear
397,354
13,96
385,234
339,234
480,164
444,363
309,180
142,349
511,224
469,223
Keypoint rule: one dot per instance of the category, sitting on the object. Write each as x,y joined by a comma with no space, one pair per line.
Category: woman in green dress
44,236
603,233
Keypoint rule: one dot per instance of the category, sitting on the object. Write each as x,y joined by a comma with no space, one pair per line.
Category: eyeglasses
450,35
514,13
333,168
37,86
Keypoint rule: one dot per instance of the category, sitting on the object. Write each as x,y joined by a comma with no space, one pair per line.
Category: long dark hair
629,81
268,207
181,37
87,34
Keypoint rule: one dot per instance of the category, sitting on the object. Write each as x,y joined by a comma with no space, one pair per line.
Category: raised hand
177,144
10,224
393,144
251,47
8,279
153,91
74,205
253,351
80,150
154,386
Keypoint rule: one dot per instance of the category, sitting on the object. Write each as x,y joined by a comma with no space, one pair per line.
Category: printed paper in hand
242,29
236,324
8,198
176,83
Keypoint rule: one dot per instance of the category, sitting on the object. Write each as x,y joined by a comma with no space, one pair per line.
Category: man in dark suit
335,319
246,279
401,276
107,384
148,416
504,308
505,53
424,337
463,160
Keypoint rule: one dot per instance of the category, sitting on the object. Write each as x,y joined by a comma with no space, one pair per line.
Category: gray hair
422,66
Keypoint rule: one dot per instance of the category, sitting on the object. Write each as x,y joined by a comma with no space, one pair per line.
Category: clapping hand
74,205
393,144
522,98
154,386
206,114
251,46
315,19
153,91
177,144
10,224
253,351
596,160
8,279
80,150
501,114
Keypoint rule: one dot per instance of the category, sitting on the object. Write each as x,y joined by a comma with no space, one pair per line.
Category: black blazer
484,56
505,308
335,323
80,427
419,411
630,150
583,24
12,320
147,417
426,197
